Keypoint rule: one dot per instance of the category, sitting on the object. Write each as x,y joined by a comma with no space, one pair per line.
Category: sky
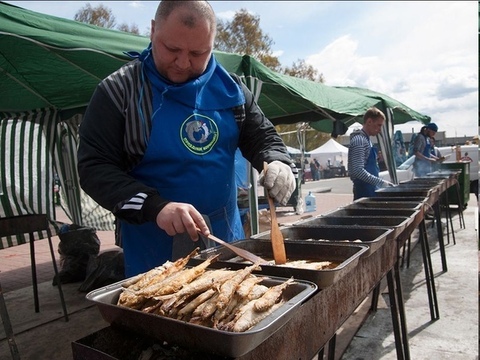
423,53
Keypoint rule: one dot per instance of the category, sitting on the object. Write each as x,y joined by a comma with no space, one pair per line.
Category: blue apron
361,188
189,158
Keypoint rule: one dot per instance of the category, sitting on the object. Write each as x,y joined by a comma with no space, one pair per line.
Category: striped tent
35,147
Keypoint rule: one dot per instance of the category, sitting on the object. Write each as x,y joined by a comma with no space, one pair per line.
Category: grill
321,312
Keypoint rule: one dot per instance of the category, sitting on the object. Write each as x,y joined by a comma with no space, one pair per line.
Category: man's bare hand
177,218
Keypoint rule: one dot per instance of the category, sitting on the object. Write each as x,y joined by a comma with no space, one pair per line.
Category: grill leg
395,316
320,354
401,311
429,278
460,206
441,243
331,347
375,296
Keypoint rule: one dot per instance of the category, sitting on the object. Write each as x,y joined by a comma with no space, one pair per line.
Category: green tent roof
51,62
46,61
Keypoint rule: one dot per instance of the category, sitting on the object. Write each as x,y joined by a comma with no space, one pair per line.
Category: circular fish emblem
199,134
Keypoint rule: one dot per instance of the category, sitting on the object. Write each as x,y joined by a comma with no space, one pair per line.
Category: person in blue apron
422,149
362,156
159,137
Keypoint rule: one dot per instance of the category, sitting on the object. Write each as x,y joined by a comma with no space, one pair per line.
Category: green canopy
51,62
287,99
401,112
50,66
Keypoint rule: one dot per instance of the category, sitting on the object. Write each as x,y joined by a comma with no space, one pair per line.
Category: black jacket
113,137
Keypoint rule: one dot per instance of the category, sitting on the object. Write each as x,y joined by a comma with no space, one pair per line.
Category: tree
129,28
100,16
301,70
243,35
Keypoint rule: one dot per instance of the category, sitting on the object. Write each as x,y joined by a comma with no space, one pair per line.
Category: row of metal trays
341,237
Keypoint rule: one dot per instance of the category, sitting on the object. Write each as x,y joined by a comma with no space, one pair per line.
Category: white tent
354,127
293,151
332,151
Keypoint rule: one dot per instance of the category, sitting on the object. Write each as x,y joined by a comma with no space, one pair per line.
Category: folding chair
23,224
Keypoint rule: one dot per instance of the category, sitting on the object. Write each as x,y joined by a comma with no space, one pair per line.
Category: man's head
431,129
373,121
182,37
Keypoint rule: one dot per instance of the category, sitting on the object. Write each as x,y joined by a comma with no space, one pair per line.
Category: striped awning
36,145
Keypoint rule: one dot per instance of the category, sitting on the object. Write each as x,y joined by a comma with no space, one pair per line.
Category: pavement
364,336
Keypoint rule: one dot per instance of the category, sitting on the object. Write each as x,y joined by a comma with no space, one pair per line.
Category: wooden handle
276,236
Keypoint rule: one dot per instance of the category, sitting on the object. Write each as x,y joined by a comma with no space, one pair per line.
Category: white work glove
279,181
387,184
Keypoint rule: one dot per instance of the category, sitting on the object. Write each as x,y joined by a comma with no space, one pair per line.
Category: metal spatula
247,255
278,246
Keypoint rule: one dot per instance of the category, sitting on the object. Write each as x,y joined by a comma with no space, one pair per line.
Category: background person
466,157
422,150
362,156
158,140
313,170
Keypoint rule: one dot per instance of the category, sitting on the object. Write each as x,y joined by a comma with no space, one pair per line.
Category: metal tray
397,223
418,199
366,204
199,337
347,255
374,237
432,195
403,191
345,211
441,184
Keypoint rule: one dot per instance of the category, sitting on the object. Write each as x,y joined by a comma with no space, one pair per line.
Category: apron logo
199,134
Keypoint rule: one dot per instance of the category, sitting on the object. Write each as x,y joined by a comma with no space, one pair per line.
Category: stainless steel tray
358,211
396,223
347,255
419,199
366,203
374,237
199,337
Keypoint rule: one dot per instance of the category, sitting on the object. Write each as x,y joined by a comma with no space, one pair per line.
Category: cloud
136,4
226,15
453,87
414,56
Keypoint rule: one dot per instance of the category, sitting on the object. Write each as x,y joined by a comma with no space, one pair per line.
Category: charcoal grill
313,324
